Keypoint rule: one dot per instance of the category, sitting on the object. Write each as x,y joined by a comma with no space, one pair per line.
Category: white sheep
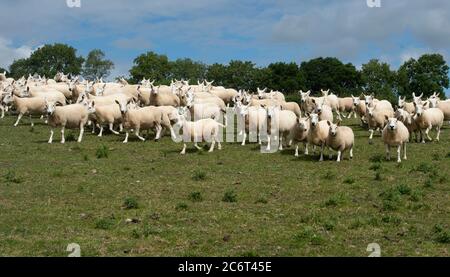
409,122
306,103
318,132
283,123
426,119
293,107
395,134
340,139
444,106
110,115
26,106
346,105
254,119
204,130
138,119
332,101
360,109
376,119
407,106
160,97
72,116
324,111
300,134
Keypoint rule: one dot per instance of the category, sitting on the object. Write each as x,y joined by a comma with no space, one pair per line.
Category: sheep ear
93,103
329,123
415,105
117,102
386,117
339,123
314,101
57,103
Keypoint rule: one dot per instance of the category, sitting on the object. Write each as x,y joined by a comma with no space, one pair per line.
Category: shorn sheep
318,133
204,130
426,119
395,134
74,116
140,119
340,139
283,123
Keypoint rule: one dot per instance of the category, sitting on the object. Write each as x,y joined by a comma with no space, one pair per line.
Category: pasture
234,202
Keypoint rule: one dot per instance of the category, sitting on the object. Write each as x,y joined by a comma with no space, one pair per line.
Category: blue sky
220,30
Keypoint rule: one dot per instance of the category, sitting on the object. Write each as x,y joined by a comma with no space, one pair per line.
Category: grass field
234,202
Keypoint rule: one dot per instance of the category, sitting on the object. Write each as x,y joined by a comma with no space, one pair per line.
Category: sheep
140,119
108,114
381,104
332,101
198,131
255,120
396,134
284,121
407,106
71,116
158,97
407,119
340,138
426,119
376,119
324,111
318,133
170,116
226,95
276,95
360,108
300,134
444,106
417,99
293,107
306,103
27,105
346,105
104,100
50,94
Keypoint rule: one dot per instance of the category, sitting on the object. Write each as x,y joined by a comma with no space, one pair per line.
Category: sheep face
304,96
356,101
392,124
433,101
419,108
314,119
7,99
333,129
325,92
370,111
369,100
417,99
272,111
302,124
401,102
90,106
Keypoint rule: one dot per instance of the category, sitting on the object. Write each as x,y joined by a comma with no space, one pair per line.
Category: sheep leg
219,145
321,152
184,149
399,160
371,136
126,137
3,112
18,119
331,153
172,133
158,132
136,132
213,143
244,138
280,148
101,131
339,156
404,151
438,129
80,137
196,146
31,121
427,132
388,152
351,153
63,138
50,140
296,150
111,128
268,143
120,127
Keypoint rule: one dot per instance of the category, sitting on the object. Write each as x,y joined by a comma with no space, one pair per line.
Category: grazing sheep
340,138
407,106
376,119
395,134
426,119
204,130
409,122
318,133
138,119
284,121
72,116
346,105
324,111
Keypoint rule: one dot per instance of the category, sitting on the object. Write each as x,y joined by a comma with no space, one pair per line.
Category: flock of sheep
73,103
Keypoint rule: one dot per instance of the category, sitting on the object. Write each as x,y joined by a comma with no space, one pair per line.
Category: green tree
284,77
96,66
49,60
187,69
378,78
153,66
330,73
217,73
426,75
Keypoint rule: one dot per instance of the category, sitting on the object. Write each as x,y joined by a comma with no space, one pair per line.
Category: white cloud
9,53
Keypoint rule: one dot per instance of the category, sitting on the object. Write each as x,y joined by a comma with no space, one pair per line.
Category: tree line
427,74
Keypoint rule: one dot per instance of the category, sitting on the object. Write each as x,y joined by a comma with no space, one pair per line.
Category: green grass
267,204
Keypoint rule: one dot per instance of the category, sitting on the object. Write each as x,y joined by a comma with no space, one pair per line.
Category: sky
262,31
